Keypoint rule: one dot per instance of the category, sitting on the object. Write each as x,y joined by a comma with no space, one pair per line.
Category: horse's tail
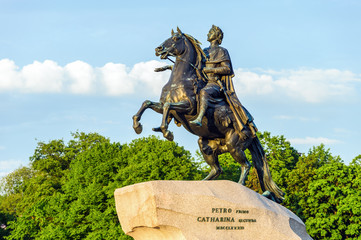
263,172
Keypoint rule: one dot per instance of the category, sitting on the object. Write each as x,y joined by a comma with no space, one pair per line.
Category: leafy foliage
67,193
333,207
357,160
302,175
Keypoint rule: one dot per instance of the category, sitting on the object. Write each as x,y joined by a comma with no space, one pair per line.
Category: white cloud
81,77
36,77
42,77
140,80
9,75
316,85
148,80
115,79
247,82
313,141
305,85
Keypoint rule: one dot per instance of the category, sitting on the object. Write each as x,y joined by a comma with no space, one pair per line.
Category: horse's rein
195,68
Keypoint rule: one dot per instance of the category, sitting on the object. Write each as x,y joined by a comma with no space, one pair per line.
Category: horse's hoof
157,129
210,176
272,196
138,128
214,174
168,135
206,178
243,182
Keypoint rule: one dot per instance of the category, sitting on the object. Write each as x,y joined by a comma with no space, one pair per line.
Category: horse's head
173,46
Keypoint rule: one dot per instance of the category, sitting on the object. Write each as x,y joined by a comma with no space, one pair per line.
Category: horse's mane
200,54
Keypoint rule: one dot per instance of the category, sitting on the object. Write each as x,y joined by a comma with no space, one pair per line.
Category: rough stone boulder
203,210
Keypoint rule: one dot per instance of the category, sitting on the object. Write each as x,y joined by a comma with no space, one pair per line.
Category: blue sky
69,66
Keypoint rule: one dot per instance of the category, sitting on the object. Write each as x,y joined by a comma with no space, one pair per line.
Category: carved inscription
227,215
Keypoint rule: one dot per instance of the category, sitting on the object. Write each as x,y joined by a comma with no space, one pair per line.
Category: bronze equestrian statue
200,97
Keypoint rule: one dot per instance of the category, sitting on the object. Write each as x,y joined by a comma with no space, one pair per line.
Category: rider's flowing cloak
241,114
243,117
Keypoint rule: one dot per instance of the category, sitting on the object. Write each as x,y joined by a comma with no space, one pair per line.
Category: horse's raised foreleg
158,129
156,106
208,150
182,106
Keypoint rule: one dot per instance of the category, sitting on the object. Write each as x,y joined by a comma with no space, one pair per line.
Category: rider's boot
203,107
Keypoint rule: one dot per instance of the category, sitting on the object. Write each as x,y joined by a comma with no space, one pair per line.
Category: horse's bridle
200,73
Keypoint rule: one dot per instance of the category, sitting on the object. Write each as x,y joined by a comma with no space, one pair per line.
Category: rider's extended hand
161,69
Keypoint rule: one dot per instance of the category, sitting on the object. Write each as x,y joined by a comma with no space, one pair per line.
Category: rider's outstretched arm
161,69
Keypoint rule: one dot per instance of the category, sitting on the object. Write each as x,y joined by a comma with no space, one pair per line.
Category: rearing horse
217,135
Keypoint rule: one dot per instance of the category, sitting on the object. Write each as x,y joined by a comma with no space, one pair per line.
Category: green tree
50,165
333,206
152,159
70,194
67,192
12,187
302,175
356,160
4,219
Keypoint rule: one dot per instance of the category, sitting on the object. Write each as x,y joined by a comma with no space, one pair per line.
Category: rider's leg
203,105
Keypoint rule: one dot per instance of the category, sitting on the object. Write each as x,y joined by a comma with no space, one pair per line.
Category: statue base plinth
203,210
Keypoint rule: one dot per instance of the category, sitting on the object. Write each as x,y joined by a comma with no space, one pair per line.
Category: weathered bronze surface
200,96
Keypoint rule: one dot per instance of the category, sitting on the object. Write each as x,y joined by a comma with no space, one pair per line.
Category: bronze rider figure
219,71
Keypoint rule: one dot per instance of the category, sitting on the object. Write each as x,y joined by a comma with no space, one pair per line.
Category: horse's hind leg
156,106
208,150
241,158
234,147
